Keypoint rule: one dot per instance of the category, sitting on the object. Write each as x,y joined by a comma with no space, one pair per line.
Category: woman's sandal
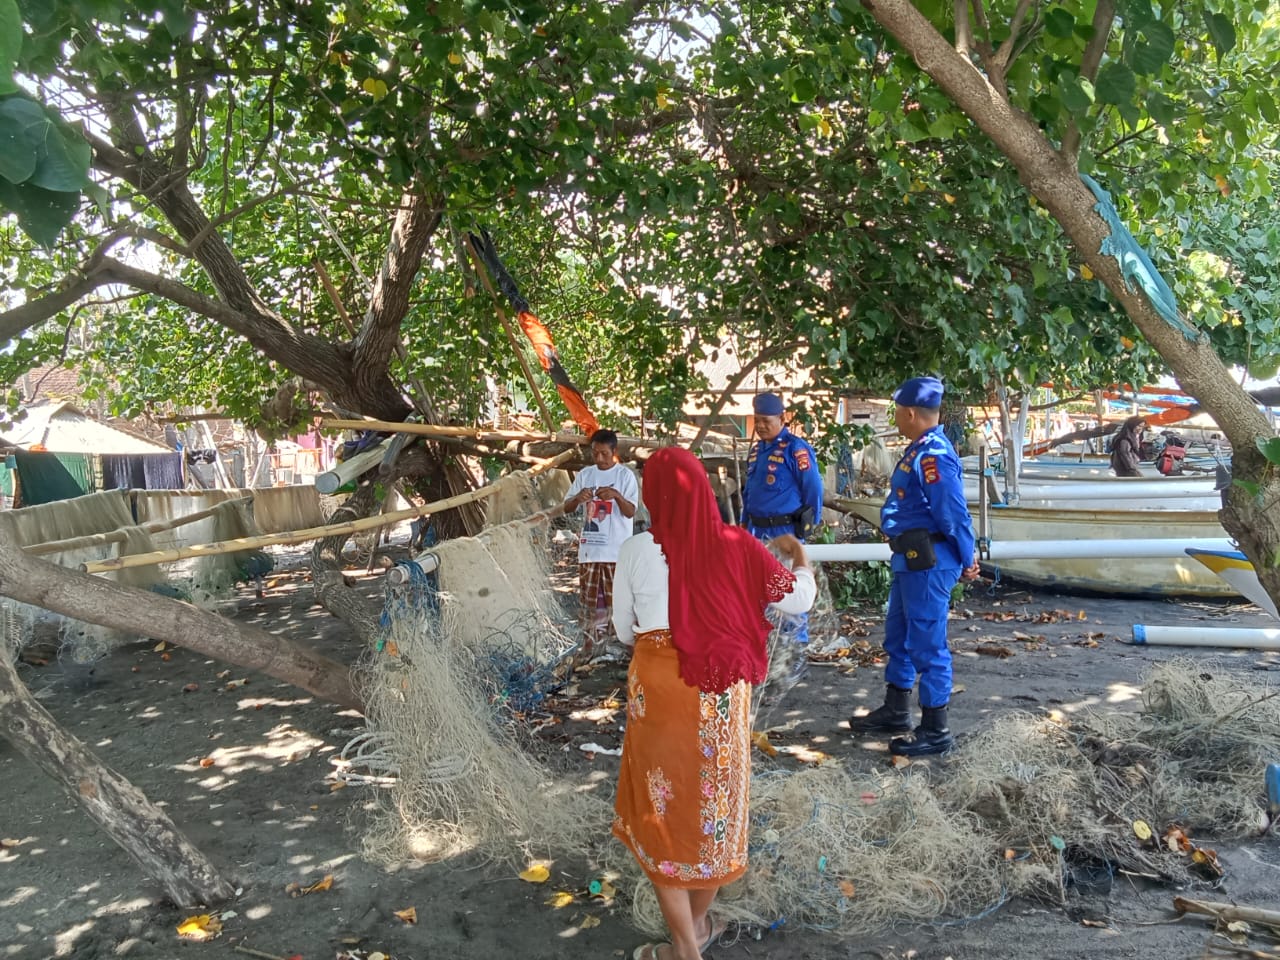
648,951
717,931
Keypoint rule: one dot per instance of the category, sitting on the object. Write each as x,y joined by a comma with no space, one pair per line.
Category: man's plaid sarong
595,592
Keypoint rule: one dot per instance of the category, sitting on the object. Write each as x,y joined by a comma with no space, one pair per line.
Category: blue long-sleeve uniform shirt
782,478
927,490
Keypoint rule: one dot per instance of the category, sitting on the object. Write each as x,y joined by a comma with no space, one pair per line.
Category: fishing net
517,497
1063,796
464,655
1030,804
847,853
205,581
79,645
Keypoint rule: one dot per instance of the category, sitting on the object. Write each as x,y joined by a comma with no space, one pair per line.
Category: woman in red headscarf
690,594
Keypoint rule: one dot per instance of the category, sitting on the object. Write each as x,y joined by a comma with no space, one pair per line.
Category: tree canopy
660,179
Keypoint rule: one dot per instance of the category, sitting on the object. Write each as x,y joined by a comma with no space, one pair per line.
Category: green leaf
42,214
1154,51
178,20
19,143
1060,23
10,43
1269,447
1116,84
1161,108
1077,94
943,127
60,156
803,89
1222,32
1137,11
1248,486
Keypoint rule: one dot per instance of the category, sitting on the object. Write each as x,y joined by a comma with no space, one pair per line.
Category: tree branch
415,224
964,31
764,356
15,321
1004,56
1103,16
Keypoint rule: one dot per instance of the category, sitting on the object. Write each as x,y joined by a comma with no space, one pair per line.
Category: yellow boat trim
1218,563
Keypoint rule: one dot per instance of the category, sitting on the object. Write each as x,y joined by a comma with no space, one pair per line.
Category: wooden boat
1236,569
1147,577
1114,493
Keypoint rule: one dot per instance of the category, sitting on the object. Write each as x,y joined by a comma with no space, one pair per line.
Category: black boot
932,736
894,716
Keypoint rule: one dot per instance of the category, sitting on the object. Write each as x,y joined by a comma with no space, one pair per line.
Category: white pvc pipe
399,575
429,562
1037,549
1238,637
332,480
1000,550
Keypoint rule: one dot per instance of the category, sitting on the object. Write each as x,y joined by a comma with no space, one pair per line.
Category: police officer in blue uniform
783,489
927,522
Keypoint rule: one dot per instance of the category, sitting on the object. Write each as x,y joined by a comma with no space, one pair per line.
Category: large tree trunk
1053,179
331,590
120,808
101,601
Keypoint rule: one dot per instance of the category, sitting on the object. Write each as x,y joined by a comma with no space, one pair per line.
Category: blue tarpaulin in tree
1135,265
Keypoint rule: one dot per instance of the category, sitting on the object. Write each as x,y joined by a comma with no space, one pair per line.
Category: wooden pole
483,274
434,430
141,828
1228,911
114,536
289,536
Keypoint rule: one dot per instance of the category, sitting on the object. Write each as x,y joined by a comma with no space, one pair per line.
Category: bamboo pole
289,536
559,458
434,430
114,536
483,274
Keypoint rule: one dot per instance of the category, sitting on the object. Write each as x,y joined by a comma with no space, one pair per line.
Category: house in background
56,451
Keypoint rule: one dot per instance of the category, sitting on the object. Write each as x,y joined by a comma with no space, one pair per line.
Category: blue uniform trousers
794,626
915,632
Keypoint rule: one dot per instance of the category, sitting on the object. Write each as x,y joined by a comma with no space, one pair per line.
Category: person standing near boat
1127,447
927,522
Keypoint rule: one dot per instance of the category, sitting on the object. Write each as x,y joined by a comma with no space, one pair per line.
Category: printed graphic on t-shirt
598,513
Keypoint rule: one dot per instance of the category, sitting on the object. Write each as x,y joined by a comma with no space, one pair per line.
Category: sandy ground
246,773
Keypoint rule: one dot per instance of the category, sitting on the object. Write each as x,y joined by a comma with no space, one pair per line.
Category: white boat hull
1113,494
1148,577
1234,567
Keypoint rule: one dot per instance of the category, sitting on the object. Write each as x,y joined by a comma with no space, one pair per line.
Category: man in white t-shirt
609,492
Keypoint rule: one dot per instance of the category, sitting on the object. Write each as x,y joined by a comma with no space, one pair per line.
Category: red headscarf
720,578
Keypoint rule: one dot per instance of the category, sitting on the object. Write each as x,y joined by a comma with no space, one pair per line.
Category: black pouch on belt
916,546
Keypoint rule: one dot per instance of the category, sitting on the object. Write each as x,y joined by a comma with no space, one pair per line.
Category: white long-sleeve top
640,589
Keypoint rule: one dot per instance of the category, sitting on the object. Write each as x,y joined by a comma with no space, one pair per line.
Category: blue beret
768,405
920,392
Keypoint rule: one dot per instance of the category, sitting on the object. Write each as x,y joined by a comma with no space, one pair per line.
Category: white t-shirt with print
604,527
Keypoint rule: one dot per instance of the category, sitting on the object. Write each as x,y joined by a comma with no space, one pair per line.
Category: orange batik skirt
683,806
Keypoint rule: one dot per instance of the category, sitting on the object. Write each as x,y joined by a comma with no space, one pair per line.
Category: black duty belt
784,520
895,545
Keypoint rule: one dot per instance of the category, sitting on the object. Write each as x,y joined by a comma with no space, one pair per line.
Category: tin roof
61,427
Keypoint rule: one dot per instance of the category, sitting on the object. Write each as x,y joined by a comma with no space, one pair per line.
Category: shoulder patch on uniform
929,467
802,459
